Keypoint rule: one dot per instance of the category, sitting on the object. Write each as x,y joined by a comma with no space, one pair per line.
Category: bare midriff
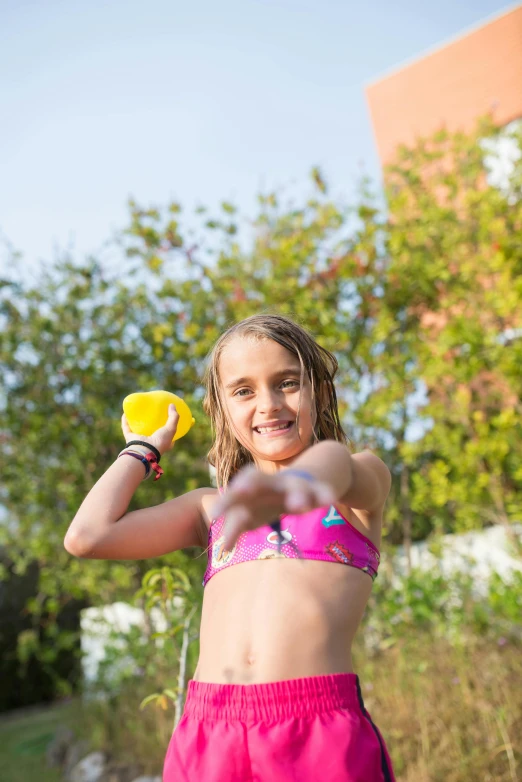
269,620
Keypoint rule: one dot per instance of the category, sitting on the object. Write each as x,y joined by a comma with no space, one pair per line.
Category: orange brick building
478,73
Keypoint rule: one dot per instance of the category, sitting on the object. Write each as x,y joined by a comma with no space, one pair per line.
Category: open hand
254,499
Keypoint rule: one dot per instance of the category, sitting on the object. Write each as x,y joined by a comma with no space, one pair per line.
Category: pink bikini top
321,533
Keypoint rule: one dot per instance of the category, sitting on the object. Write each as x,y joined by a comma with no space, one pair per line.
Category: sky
199,101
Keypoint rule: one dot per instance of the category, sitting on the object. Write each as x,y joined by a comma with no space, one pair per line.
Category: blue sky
199,101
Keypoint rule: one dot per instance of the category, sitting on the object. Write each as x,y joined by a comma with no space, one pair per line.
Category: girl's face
260,384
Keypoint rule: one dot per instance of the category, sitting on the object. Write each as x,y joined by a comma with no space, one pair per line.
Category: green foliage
71,348
170,602
505,598
454,264
423,295
445,606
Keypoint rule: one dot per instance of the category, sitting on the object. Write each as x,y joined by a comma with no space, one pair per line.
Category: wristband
139,451
141,458
148,458
147,445
298,473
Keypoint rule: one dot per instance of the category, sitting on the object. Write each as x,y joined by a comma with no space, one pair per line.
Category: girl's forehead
251,353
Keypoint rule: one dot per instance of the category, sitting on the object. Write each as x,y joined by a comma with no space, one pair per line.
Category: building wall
477,74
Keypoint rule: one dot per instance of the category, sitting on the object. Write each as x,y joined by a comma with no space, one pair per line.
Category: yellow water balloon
147,411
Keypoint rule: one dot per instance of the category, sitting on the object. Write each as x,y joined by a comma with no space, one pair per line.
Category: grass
448,713
24,738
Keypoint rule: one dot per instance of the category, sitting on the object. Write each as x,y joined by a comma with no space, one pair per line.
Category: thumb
173,415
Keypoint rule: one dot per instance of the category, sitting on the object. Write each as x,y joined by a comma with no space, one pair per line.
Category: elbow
335,451
76,545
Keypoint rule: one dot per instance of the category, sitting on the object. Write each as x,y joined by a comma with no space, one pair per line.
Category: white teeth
263,429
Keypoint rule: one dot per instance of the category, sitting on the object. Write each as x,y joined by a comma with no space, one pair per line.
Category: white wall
482,552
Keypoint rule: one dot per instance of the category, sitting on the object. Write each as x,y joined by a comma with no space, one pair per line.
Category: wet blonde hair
227,454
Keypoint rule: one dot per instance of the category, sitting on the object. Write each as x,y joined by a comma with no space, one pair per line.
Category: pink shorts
300,729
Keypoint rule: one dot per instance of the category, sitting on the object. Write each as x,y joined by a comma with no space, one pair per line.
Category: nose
270,400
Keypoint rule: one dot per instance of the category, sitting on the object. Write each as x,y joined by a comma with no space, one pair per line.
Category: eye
240,391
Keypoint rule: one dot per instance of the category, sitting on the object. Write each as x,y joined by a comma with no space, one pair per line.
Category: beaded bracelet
142,459
150,458
141,451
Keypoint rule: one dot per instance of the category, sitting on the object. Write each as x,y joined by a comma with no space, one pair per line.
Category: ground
24,737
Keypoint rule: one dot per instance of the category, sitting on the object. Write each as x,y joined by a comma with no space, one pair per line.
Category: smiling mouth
284,426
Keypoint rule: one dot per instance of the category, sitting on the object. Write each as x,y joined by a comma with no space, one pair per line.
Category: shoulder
366,498
367,463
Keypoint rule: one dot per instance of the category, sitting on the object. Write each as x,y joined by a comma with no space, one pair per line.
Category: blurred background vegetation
419,295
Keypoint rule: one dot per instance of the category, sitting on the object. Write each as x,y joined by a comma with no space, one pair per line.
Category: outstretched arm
254,499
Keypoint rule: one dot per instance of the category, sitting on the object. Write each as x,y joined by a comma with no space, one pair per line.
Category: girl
274,696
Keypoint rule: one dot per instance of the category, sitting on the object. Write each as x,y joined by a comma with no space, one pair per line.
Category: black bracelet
148,445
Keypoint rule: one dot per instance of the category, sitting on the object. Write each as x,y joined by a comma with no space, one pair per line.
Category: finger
254,499
215,509
313,495
125,424
232,496
238,519
298,499
324,494
173,418
224,505
230,539
247,479
170,427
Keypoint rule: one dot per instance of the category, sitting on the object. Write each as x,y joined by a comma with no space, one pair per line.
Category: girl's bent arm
102,529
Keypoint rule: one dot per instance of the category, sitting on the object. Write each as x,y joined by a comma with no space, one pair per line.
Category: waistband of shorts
273,700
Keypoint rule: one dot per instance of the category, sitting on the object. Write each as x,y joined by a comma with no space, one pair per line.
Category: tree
423,293
72,347
455,276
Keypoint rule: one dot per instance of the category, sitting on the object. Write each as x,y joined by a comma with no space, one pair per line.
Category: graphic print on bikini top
318,534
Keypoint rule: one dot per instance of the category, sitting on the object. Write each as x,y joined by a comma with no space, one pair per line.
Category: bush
447,607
